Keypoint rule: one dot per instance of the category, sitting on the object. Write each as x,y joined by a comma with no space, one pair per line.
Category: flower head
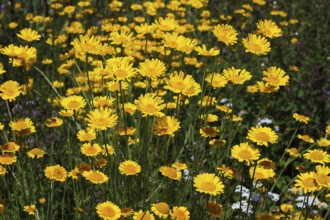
208,183
101,118
262,135
244,152
225,33
95,176
166,125
108,211
161,210
301,118
56,172
256,44
129,168
10,90
23,126
150,105
29,35
170,172
269,28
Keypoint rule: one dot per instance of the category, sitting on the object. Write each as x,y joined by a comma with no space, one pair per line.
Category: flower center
162,208
96,177
120,73
74,104
149,108
208,186
130,168
171,172
309,182
109,212
245,154
262,136
322,179
316,156
256,48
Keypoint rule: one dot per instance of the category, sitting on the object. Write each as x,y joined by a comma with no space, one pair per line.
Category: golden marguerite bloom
259,2
261,173
170,172
10,90
226,171
29,35
141,215
266,87
129,108
275,76
86,135
323,142
293,152
317,156
323,176
74,102
101,118
103,101
121,68
216,80
30,209
237,76
22,126
179,166
245,153
286,207
209,131
307,183
225,33
90,150
56,172
202,51
35,153
87,44
2,70
301,118
166,125
161,210
179,83
263,216
95,176
10,147
107,149
150,105
108,211
173,40
152,68
126,212
7,159
3,171
268,28
306,138
53,122
121,37
126,131
129,168
180,213
165,24
262,135
214,209
208,183
256,44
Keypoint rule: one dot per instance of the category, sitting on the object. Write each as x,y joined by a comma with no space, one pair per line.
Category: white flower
273,196
243,206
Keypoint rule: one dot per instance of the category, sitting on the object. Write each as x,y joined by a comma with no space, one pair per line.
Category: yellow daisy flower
170,172
150,105
237,76
262,135
307,183
317,156
152,68
166,125
95,176
73,102
161,210
301,118
29,35
108,211
90,150
30,209
245,153
256,44
275,77
180,213
56,172
10,90
35,153
268,28
202,51
208,183
129,168
216,80
225,33
23,126
101,118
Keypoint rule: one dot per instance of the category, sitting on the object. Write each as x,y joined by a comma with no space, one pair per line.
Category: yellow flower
173,40
225,33
150,105
161,210
307,183
10,90
86,135
208,183
121,37
53,122
170,172
261,173
2,70
10,147
301,118
129,168
214,209
129,108
101,118
226,171
259,2
90,150
237,76
216,80
286,207
165,24
121,68
30,209
209,131
108,211
256,44
179,166
152,68
7,159
323,142
262,135
57,173
306,138
180,213
244,152
269,28
96,177
23,126
3,171
202,51
179,83
317,156
87,44
166,125
103,101
29,35
35,153
73,102
275,77
141,215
